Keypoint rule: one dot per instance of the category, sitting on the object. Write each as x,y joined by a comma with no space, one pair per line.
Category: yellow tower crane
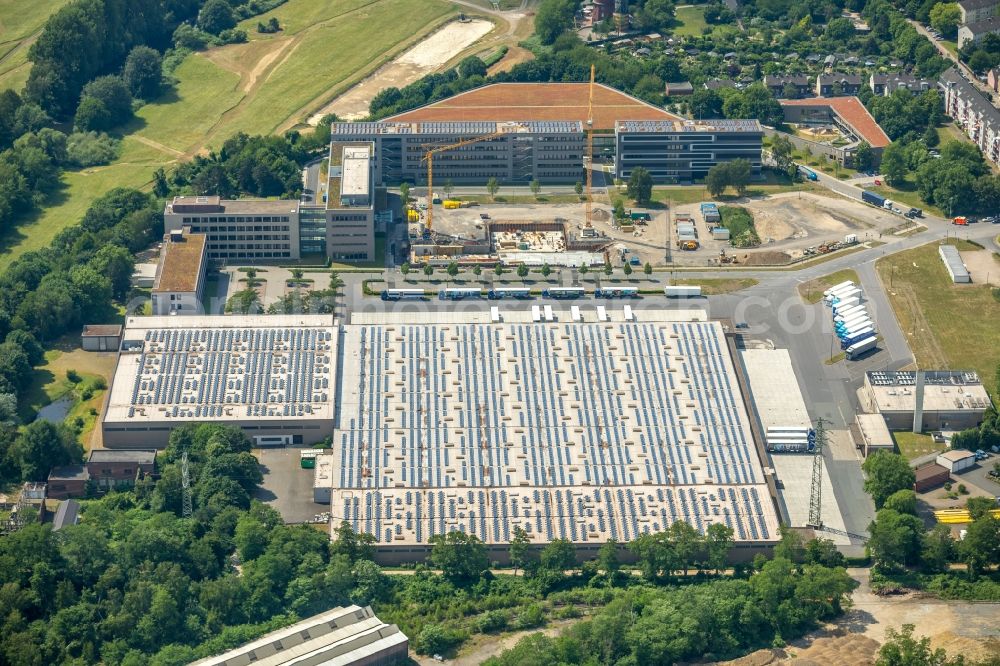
429,157
589,162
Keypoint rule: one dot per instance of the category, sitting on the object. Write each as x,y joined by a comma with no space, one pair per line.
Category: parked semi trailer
681,291
872,198
855,339
859,348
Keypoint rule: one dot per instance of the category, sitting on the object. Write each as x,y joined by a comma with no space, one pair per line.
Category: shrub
436,638
100,384
86,394
73,376
495,620
529,617
86,149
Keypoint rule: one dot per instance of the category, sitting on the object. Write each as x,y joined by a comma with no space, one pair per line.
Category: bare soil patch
984,268
427,56
515,56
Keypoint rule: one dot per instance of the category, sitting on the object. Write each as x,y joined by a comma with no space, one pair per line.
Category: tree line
49,292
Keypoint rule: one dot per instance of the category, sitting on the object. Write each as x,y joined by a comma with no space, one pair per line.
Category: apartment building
972,112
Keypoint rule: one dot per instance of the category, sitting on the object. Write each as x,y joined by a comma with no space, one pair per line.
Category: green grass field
907,194
689,21
812,291
19,21
186,114
948,326
66,207
914,445
680,195
333,43
330,54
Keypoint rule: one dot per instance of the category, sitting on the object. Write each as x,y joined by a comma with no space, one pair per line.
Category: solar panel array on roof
249,372
476,425
654,126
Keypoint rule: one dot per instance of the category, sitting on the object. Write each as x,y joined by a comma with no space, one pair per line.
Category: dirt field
961,628
428,56
983,266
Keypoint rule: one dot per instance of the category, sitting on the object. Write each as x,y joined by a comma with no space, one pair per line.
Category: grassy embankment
947,325
20,23
255,88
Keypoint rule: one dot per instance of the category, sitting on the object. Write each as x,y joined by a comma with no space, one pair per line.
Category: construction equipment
589,162
429,157
725,258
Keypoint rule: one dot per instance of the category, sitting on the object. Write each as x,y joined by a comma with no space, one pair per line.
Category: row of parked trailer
851,321
795,439
523,293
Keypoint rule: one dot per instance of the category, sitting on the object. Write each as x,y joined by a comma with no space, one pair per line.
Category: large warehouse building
271,376
582,430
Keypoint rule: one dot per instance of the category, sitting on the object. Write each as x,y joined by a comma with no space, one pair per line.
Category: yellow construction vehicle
412,215
451,204
429,157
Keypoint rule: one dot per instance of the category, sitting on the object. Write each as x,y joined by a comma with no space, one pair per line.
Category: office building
239,230
516,152
272,376
179,285
350,204
676,151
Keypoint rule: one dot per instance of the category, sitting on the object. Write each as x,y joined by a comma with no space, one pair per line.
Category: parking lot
287,487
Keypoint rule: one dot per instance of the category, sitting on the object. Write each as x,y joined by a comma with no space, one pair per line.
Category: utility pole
816,490
185,486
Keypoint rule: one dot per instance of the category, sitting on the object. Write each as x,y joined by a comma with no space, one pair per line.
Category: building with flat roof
180,276
351,636
572,428
519,151
973,112
929,477
872,434
952,400
67,481
110,468
272,376
683,150
238,230
350,202
953,263
101,337
956,460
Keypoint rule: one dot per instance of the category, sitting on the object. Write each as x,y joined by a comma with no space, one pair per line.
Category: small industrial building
273,376
351,636
179,286
952,400
956,461
953,264
684,150
144,275
774,392
110,468
101,337
67,481
871,434
929,477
